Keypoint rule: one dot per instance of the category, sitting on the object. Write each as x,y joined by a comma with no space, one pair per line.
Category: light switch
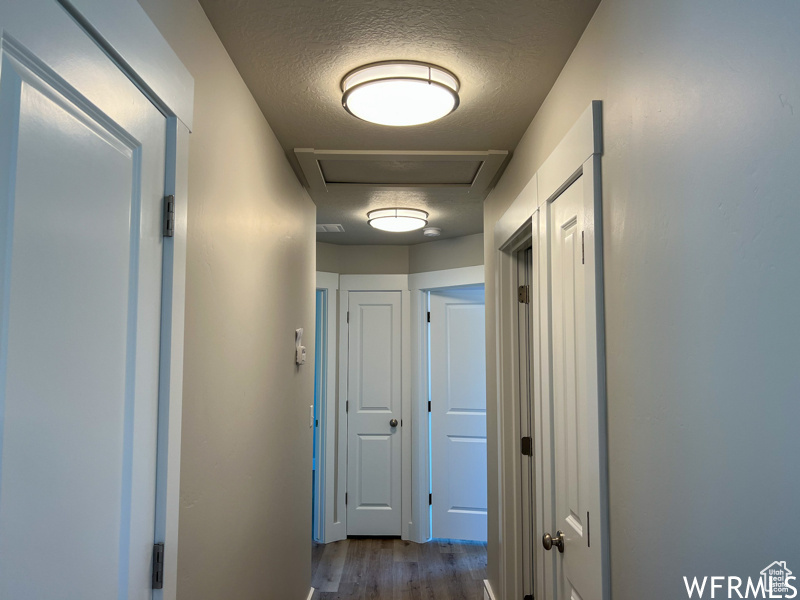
300,350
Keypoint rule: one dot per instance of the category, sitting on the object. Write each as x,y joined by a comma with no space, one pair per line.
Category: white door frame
415,467
124,31
375,283
332,514
419,285
578,154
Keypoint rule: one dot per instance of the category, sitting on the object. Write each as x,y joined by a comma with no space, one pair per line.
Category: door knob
393,423
548,542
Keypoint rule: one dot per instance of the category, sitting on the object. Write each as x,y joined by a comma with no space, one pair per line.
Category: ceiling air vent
330,228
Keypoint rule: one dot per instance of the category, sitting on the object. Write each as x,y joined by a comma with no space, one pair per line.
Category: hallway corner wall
701,145
245,520
437,255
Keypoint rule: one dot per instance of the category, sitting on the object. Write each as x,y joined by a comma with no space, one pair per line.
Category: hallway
393,569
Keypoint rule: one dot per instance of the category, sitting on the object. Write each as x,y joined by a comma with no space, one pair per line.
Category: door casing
416,523
578,155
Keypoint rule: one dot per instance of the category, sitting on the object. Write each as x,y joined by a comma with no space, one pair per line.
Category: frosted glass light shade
399,93
397,219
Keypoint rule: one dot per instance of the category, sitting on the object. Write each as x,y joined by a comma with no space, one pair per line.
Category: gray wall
453,253
245,521
466,251
362,260
700,183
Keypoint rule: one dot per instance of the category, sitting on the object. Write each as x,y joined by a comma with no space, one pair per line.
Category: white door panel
81,184
458,414
576,458
374,395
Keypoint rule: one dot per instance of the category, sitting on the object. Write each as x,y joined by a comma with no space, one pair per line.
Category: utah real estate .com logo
776,581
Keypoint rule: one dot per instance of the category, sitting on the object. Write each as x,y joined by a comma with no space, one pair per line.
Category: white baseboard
488,593
310,594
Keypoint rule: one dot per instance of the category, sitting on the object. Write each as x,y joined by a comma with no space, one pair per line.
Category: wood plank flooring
392,569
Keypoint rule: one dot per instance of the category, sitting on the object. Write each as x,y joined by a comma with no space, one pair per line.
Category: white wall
245,521
700,183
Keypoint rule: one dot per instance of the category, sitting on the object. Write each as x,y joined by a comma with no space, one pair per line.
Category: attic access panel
474,172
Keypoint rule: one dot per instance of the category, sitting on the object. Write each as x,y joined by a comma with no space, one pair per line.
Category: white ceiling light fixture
400,93
432,232
397,219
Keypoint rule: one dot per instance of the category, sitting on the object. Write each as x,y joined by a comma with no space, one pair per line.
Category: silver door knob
393,423
548,541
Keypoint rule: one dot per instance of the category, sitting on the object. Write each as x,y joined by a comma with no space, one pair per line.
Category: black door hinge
345,498
347,406
429,316
524,294
583,250
169,216
527,446
158,566
430,499
429,406
348,316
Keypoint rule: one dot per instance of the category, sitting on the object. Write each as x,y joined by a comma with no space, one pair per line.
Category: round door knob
393,423
548,541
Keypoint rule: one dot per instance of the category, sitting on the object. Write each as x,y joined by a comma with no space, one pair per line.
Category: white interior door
82,163
576,459
374,411
458,414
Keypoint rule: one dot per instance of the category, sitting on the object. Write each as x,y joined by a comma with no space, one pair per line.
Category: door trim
420,284
332,523
578,154
124,30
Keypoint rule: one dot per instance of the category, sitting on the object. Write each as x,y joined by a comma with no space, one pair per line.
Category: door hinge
524,294
158,566
429,316
583,250
345,498
347,406
348,317
430,499
169,216
527,446
429,406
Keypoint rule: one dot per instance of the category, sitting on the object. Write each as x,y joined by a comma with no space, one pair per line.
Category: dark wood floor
391,569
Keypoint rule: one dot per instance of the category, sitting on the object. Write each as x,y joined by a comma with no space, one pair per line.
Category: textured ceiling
293,54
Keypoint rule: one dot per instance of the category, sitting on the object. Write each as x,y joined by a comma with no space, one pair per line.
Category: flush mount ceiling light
397,219
400,93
